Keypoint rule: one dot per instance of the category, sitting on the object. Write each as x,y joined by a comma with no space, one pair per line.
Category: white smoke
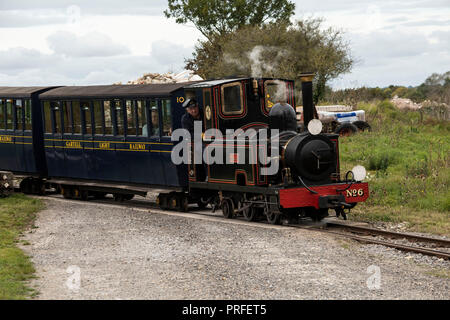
258,58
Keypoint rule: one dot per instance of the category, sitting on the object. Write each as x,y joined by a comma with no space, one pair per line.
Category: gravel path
85,250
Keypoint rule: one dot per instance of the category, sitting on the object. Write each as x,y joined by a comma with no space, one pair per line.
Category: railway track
358,233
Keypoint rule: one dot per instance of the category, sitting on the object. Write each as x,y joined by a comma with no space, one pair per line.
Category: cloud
103,7
93,44
171,54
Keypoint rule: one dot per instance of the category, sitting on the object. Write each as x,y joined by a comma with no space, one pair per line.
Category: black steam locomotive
96,140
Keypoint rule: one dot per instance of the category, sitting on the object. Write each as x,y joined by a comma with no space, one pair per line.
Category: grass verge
408,160
17,213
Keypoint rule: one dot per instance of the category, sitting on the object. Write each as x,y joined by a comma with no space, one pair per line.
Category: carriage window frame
166,117
108,126
223,107
118,111
142,117
154,103
10,111
18,115
84,120
2,114
98,128
27,122
66,107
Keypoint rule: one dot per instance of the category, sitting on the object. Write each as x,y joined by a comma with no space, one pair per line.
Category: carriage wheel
227,208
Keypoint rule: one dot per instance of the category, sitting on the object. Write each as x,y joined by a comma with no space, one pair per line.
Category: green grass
407,156
17,213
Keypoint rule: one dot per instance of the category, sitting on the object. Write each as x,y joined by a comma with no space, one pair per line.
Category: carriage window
47,117
131,117
9,114
108,119
67,123
76,114
119,116
2,114
274,92
232,98
27,111
19,118
166,117
142,119
56,116
98,117
155,118
86,109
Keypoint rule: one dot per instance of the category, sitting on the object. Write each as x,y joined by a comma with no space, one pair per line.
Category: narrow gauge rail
327,228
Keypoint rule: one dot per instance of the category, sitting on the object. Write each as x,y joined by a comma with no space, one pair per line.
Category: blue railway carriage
114,136
21,150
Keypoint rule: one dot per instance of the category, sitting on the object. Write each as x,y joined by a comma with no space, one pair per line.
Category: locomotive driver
194,113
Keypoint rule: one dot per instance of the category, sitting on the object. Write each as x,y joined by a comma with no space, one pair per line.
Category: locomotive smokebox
307,96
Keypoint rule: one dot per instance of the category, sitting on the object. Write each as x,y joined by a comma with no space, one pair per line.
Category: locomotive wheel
25,186
273,218
250,214
227,208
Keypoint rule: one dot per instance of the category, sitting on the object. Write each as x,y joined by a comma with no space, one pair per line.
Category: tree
219,17
275,50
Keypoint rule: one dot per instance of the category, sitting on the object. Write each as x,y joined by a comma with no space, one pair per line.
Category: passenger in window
193,113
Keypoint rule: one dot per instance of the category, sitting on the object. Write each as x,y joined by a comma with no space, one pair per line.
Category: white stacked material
170,77
403,103
334,108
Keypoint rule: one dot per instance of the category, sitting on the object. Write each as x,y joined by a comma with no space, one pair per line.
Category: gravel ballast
87,250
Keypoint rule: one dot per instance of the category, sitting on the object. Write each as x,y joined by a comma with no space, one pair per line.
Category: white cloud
93,44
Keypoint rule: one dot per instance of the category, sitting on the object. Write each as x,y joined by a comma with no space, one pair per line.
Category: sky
85,42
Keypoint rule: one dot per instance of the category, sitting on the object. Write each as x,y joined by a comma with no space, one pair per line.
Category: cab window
232,99
274,92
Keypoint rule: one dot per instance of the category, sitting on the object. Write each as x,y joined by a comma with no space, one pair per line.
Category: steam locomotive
90,141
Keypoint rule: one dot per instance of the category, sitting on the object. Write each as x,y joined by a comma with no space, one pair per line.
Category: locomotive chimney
307,96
